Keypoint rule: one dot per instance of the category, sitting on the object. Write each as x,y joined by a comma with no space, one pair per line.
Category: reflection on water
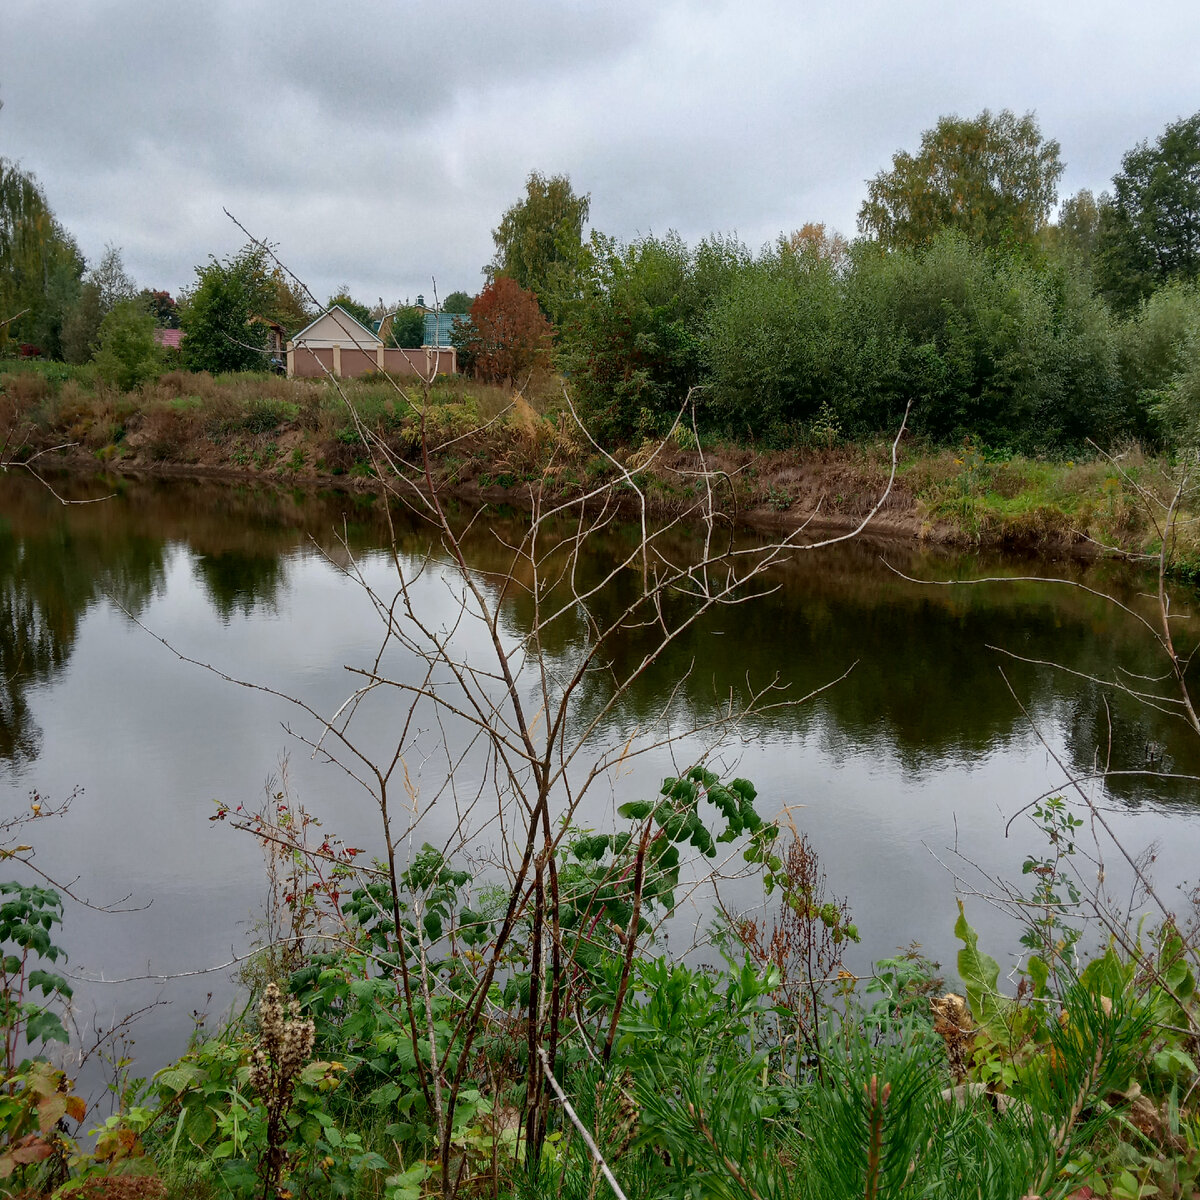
924,742
924,683
238,582
51,572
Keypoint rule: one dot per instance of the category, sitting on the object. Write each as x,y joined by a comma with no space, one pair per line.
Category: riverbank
489,447
252,580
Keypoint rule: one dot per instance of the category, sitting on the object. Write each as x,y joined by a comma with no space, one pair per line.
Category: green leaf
368,1162
407,1185
745,789
43,1026
199,1124
385,1095
1039,973
1174,966
364,990
1107,975
979,972
635,810
1173,1061
49,983
178,1078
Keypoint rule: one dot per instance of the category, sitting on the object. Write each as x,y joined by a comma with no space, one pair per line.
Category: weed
780,499
825,428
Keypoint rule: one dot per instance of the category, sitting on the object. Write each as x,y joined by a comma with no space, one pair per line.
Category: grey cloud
379,144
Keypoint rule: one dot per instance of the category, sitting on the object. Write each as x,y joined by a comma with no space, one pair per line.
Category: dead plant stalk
513,702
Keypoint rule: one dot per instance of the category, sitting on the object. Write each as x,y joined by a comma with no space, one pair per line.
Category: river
957,706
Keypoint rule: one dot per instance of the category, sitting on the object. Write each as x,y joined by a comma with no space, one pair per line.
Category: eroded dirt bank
485,446
816,493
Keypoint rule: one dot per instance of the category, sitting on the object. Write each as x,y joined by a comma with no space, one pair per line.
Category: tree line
54,305
960,295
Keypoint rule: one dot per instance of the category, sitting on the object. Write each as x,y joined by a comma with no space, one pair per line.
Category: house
168,339
439,326
336,327
336,344
276,338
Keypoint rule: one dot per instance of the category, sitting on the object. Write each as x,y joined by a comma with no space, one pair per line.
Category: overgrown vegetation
513,1029
962,299
778,1074
992,345
495,445
427,1024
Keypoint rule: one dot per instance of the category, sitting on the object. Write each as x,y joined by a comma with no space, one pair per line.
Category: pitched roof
351,326
169,339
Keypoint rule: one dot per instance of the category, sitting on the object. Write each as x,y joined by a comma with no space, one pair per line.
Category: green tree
771,343
360,312
539,241
408,327
1077,230
1158,354
110,276
1175,408
632,348
986,345
106,285
40,264
81,330
992,177
216,320
1150,233
59,294
291,305
128,354
457,302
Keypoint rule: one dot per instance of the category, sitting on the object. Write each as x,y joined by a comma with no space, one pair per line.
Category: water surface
931,742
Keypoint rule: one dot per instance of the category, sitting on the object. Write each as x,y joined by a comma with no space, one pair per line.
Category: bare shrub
27,388
529,700
804,944
167,433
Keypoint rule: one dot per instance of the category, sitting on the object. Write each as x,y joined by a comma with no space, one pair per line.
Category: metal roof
439,325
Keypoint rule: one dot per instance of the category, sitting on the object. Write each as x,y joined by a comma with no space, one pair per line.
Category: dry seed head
270,1016
284,1044
296,1046
260,1072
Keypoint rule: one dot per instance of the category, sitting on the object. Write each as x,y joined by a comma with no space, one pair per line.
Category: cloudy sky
378,143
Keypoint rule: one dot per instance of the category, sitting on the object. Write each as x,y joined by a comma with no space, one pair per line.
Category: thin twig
579,1125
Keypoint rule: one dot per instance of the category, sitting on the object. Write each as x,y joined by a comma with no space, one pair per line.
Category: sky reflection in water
923,747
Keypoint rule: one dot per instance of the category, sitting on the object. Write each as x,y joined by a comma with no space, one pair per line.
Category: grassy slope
297,430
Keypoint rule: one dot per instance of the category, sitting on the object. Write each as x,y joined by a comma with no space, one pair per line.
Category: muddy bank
487,446
820,495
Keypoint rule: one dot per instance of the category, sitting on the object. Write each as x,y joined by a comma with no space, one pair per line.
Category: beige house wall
306,361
